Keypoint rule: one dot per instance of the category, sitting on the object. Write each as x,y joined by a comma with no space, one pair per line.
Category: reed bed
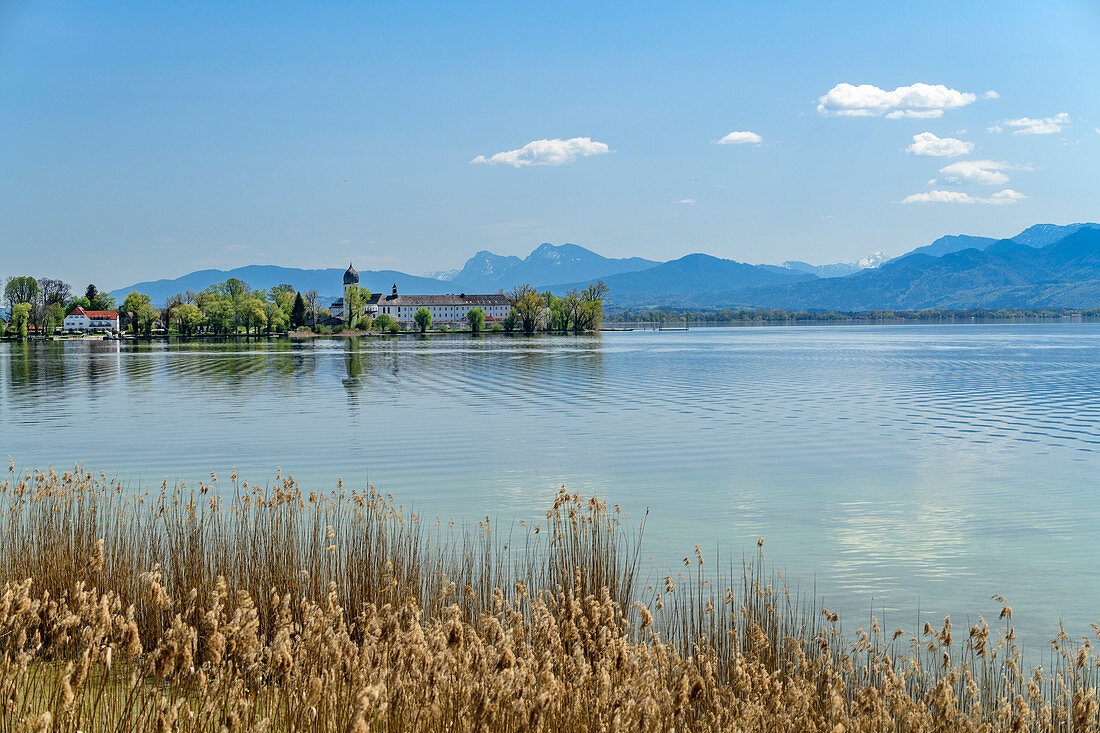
282,610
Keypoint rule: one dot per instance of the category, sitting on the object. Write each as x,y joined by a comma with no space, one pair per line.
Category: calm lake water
889,466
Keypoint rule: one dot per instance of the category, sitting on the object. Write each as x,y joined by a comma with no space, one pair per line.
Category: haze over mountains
1044,266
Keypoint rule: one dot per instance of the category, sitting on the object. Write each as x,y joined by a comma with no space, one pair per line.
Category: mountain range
1045,265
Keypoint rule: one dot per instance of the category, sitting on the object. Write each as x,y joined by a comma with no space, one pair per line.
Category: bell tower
351,279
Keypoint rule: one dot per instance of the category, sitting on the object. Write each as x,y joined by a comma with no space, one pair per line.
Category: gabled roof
80,311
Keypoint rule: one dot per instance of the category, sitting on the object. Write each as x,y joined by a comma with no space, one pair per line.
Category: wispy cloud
546,152
1035,125
987,172
686,202
1007,196
915,100
741,137
991,94
929,144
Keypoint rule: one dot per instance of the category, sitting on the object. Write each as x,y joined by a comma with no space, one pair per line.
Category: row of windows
443,310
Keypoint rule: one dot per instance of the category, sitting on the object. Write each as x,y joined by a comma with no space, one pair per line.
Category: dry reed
284,611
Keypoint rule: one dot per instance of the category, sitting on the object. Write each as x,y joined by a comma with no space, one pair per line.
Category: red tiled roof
80,311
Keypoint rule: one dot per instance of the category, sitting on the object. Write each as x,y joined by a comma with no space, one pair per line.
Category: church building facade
445,309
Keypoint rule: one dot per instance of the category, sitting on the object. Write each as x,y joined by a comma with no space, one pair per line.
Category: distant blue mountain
327,282
694,273
839,269
1005,274
485,272
548,263
958,271
950,243
1039,235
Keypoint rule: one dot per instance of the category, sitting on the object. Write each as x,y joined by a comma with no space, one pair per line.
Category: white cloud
546,152
991,94
686,202
1035,126
916,100
940,147
742,137
987,172
1007,196
1096,130
994,129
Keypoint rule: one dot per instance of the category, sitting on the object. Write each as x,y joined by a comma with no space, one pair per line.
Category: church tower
351,278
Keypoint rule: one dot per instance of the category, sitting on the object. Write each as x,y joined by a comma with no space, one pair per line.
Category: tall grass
283,610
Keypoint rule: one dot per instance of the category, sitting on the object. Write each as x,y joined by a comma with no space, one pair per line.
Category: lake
890,467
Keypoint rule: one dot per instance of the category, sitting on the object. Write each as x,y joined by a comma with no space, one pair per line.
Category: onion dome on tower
351,277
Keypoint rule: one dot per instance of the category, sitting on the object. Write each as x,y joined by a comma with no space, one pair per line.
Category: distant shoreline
663,316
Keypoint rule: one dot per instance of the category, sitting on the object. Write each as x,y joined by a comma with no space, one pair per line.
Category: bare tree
595,291
518,293
170,304
311,300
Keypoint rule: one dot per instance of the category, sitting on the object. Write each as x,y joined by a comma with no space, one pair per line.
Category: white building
80,319
401,308
444,308
351,277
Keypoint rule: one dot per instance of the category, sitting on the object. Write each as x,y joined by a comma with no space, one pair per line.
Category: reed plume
270,608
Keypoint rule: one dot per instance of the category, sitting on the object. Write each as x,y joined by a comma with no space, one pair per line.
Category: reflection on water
930,465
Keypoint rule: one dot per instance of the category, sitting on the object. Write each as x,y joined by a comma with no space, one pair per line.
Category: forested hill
1006,274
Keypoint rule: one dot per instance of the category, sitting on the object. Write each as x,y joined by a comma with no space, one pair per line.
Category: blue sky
145,140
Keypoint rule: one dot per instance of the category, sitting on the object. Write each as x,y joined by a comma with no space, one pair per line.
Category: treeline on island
746,315
39,306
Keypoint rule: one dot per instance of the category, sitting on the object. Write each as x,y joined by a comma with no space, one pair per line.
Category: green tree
423,319
218,314
188,318
280,290
20,318
383,322
532,312
298,311
52,296
355,298
277,319
591,309
98,300
476,318
234,289
52,316
21,290
135,306
530,307
558,312
510,321
253,314
170,304
146,318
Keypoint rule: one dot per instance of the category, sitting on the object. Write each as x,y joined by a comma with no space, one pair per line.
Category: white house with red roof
82,319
